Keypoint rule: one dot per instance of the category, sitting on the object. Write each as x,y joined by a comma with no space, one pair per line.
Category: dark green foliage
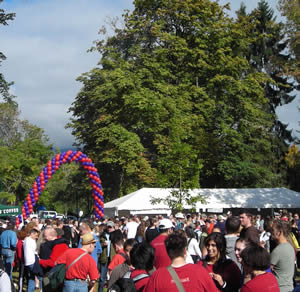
174,95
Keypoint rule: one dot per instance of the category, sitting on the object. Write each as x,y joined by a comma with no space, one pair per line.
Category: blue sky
46,49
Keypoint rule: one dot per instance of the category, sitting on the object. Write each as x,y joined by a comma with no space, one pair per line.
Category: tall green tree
24,149
268,53
174,99
291,10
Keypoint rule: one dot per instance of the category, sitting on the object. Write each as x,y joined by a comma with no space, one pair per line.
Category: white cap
179,216
165,224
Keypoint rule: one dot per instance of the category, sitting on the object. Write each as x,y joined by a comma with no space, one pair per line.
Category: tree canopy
175,95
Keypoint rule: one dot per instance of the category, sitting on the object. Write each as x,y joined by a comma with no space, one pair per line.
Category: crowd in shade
182,252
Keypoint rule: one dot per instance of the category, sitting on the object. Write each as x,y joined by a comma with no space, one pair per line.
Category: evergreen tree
268,54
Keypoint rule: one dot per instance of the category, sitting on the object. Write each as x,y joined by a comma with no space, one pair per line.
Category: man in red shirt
84,269
120,257
192,277
161,258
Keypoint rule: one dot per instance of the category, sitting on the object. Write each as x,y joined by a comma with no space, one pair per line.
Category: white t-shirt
131,228
29,247
193,247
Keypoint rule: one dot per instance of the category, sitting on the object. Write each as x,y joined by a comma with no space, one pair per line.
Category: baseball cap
221,217
146,218
165,224
88,238
179,216
110,224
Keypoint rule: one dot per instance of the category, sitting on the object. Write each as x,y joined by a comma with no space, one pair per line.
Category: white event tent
139,202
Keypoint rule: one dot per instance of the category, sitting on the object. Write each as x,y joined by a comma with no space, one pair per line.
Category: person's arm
230,280
91,286
98,247
13,242
274,259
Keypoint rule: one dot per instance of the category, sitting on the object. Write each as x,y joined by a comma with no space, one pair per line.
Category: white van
48,214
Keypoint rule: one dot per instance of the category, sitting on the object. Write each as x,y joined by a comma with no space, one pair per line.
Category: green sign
10,210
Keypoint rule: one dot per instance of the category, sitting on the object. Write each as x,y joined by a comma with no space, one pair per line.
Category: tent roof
215,198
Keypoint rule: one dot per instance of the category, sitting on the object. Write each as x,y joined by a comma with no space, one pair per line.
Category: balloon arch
52,166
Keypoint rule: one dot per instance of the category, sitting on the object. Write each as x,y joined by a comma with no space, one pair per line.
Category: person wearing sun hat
81,270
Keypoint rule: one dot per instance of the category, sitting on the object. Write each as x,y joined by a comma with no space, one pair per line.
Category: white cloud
46,48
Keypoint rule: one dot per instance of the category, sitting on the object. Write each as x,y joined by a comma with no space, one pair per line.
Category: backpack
57,274
126,284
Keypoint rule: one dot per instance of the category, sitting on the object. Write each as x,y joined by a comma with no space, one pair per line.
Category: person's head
246,219
117,240
280,230
165,226
34,219
88,242
296,216
30,226
215,244
217,229
255,258
240,245
34,233
59,223
110,226
189,232
268,225
176,244
10,226
21,234
50,234
142,256
85,227
221,218
128,245
233,225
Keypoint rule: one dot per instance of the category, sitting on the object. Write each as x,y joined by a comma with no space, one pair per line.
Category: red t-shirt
140,283
82,268
161,258
262,283
118,259
57,251
194,278
229,271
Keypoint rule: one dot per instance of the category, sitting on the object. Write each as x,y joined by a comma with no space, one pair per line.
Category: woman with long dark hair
225,273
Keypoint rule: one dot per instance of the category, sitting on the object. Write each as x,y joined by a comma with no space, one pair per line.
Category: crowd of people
184,252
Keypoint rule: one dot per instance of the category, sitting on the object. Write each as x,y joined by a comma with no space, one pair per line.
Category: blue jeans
75,286
103,273
8,257
31,279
